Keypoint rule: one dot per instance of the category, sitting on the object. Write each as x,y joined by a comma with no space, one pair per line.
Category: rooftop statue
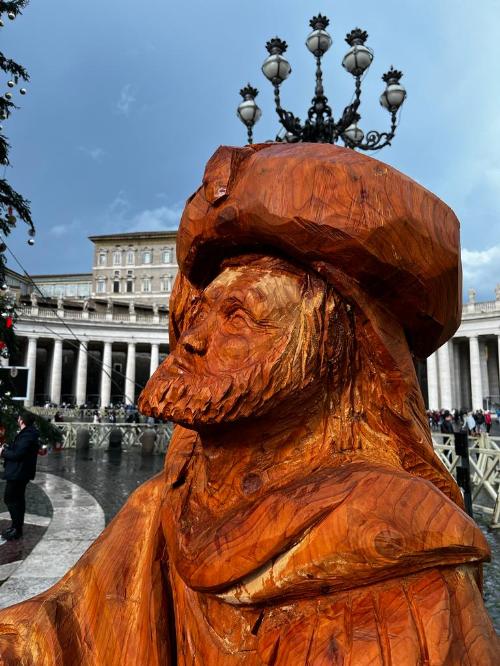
302,516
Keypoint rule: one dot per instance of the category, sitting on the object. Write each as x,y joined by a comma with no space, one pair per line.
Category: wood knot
251,483
227,217
389,543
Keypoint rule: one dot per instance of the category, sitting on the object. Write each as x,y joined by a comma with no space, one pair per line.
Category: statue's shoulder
381,523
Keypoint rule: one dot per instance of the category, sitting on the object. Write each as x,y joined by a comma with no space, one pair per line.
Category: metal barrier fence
484,460
130,434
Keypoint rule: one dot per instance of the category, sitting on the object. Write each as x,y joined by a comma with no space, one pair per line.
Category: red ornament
9,322
2,345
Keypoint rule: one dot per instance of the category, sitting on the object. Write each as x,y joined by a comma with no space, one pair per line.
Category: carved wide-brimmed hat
357,221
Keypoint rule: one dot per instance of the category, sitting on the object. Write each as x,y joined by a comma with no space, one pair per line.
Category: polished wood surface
302,517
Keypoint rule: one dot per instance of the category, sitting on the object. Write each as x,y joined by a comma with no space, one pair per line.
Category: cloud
481,270
120,206
95,154
59,230
125,100
119,216
157,219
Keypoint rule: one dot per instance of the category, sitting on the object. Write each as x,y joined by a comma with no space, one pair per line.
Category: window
130,257
130,282
71,290
117,258
102,258
84,290
166,255
101,286
146,284
147,257
48,290
166,283
116,282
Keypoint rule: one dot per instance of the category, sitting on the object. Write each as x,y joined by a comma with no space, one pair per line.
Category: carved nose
194,343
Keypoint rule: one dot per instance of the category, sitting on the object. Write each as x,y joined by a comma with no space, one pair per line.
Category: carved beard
196,399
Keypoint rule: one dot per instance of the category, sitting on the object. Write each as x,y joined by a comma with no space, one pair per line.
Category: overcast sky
128,100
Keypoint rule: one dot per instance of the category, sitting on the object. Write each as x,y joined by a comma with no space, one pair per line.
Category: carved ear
221,171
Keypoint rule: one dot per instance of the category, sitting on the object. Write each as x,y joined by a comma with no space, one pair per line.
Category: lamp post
320,125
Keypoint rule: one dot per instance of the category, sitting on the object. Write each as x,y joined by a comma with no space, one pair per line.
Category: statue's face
240,352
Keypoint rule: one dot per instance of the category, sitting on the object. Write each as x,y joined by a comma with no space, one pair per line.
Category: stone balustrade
29,312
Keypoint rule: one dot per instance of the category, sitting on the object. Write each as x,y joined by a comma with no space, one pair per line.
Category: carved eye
236,315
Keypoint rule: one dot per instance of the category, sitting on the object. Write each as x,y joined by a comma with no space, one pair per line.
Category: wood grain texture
302,517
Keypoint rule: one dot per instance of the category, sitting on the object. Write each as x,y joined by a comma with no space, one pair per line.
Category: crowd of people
455,420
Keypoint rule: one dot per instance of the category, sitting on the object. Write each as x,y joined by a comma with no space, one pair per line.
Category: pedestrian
97,418
471,424
480,421
20,467
447,424
487,421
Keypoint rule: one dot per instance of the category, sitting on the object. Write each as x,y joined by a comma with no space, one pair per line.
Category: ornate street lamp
320,125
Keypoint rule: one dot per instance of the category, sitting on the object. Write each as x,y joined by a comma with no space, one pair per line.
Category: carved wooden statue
302,517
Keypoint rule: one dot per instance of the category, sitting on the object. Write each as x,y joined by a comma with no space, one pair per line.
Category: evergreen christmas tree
12,204
12,207
8,407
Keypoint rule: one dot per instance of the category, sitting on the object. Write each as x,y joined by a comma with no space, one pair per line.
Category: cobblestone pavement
110,477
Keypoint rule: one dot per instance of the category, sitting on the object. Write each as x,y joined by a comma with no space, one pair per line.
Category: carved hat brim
352,218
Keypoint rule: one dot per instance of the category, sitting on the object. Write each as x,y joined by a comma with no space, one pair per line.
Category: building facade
95,338
465,372
138,266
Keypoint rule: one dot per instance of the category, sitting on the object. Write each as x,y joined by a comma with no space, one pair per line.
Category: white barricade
484,459
130,432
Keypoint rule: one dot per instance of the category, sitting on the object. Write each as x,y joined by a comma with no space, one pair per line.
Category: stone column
130,375
106,370
498,340
432,382
483,359
56,372
457,370
81,374
31,364
445,376
475,373
155,357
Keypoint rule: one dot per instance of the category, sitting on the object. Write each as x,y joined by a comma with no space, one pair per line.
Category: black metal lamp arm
374,139
290,122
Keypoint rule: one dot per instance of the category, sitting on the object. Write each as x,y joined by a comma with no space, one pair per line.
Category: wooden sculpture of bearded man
302,517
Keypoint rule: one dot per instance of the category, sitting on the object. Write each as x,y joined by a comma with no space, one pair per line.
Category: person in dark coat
447,424
20,460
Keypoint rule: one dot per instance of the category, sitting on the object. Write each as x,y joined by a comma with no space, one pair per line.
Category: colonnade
464,372
82,354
